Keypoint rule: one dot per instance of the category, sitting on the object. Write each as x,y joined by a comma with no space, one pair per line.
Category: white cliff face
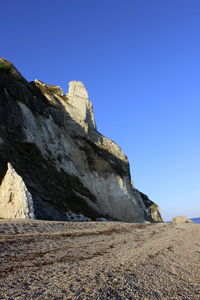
81,108
68,168
114,193
77,89
15,200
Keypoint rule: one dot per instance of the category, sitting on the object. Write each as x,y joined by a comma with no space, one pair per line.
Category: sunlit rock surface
15,199
181,219
51,141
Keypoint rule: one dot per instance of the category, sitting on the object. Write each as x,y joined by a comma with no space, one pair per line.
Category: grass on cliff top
6,66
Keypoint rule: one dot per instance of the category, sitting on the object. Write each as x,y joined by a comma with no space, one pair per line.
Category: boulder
181,219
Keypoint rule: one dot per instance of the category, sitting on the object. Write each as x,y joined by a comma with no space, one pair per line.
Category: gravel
99,260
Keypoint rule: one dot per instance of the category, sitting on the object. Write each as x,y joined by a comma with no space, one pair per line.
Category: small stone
115,280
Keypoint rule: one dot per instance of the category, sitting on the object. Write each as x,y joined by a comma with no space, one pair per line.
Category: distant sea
196,220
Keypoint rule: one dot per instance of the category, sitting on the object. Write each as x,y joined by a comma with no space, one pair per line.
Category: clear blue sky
140,61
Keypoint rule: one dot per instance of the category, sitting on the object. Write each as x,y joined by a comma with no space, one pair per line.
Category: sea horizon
196,220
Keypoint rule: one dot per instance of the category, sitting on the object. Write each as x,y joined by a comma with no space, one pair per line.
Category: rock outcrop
53,156
181,219
15,199
152,208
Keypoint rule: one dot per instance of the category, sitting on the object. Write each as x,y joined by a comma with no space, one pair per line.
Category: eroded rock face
51,141
15,199
151,208
81,108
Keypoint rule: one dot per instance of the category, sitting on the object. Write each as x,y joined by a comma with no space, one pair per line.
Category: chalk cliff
54,163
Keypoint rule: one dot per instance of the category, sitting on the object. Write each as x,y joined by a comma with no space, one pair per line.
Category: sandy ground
99,260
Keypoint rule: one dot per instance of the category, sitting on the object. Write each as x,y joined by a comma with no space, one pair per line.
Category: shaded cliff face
61,164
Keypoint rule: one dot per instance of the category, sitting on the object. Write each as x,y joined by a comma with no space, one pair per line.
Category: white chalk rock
15,200
181,219
81,108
